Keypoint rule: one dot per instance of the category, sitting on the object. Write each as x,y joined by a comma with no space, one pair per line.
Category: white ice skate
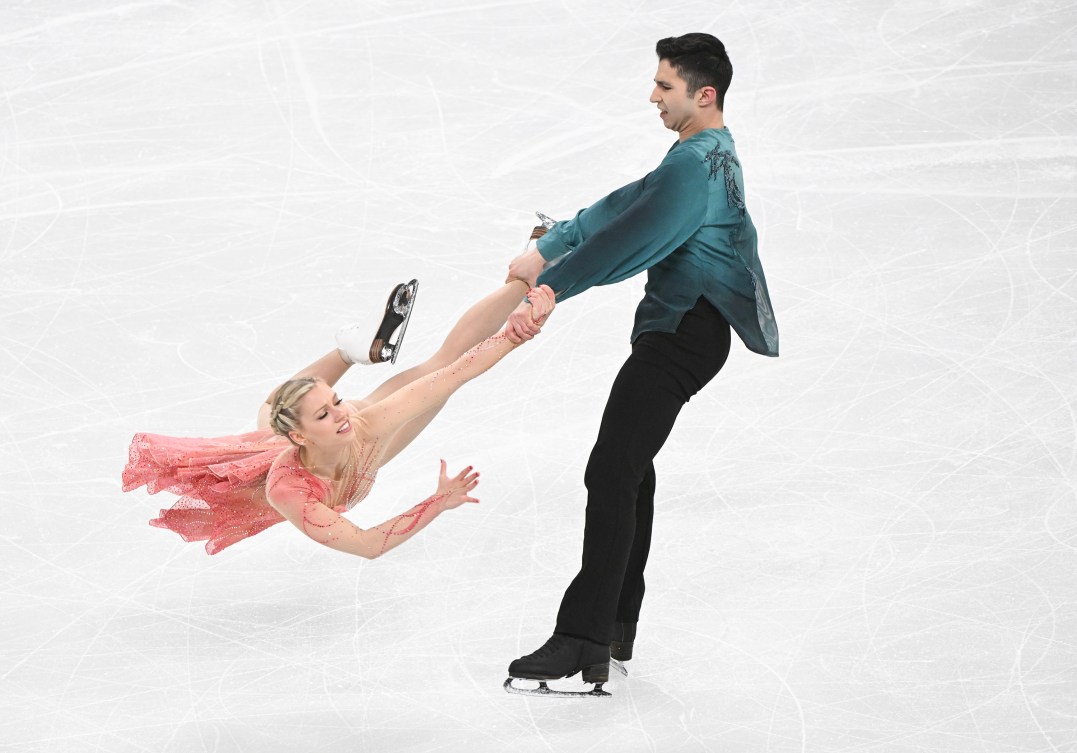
545,223
353,340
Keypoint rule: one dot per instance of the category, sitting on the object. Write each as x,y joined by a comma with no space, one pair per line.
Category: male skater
686,224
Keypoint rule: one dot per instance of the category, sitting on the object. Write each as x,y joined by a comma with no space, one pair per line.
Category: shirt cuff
550,246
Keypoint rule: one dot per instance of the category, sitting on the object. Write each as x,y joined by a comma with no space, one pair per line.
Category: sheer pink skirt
220,481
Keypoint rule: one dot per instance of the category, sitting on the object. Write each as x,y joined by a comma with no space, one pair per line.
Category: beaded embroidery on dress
222,482
357,477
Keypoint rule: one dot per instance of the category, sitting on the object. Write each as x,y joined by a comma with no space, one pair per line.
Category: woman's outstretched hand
527,320
454,491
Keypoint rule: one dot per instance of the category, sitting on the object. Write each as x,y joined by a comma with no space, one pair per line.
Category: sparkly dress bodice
287,475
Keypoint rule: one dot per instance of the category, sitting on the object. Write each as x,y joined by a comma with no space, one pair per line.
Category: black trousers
659,377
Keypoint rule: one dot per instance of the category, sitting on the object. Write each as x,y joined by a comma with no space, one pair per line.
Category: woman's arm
329,528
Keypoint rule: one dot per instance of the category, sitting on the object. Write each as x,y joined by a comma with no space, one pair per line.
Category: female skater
315,456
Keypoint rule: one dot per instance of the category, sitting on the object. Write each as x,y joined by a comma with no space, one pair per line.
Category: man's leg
628,605
633,587
706,337
635,423
639,415
662,373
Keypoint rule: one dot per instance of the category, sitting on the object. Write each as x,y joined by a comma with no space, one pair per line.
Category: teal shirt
686,224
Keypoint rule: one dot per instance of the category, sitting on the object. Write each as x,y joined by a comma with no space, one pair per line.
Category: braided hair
284,405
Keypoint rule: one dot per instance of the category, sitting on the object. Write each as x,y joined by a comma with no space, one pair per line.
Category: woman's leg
480,321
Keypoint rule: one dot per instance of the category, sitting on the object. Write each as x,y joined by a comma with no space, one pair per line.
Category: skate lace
551,646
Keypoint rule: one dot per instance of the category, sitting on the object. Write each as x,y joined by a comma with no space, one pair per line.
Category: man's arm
566,235
670,208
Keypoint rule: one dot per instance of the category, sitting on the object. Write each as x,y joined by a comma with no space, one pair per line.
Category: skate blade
547,222
619,666
404,296
546,691
394,347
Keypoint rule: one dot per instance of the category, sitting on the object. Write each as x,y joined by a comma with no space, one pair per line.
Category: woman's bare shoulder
286,459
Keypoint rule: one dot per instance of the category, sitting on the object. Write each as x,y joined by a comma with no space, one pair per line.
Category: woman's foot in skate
354,343
545,223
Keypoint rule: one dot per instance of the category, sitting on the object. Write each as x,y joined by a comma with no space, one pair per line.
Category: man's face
676,105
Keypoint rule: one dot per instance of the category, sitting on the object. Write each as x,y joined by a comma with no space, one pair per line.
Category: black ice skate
351,340
562,656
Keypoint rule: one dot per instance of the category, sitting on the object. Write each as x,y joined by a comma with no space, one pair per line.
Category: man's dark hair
700,60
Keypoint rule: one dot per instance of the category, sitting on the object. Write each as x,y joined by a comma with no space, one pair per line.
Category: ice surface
867,544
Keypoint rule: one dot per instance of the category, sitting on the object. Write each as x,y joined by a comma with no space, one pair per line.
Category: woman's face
323,418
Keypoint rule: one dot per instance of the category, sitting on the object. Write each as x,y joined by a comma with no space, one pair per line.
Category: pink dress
222,482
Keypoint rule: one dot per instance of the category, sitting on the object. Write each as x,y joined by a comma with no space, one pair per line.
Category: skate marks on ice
884,517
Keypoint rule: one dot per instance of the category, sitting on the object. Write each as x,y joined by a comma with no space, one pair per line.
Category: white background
866,544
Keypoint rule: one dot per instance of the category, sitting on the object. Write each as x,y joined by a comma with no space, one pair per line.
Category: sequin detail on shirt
726,161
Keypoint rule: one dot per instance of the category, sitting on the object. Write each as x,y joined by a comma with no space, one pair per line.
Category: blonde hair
284,406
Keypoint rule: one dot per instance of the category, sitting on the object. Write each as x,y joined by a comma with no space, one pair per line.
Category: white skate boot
353,340
539,230
545,223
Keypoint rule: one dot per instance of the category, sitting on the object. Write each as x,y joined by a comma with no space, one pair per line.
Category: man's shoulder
696,152
686,160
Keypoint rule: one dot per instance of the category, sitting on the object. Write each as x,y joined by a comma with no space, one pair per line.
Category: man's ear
706,96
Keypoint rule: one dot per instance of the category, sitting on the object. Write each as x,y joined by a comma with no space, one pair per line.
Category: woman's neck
325,464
